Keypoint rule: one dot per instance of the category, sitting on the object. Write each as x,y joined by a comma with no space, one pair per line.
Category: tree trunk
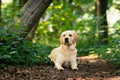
32,32
101,7
29,15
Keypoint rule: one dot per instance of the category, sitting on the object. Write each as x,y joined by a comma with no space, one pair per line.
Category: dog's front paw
74,65
59,68
75,68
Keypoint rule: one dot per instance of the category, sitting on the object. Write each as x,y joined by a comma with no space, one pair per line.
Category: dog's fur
66,52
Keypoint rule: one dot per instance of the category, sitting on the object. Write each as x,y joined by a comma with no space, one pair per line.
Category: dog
66,52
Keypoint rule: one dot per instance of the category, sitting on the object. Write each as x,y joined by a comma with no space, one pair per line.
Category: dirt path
89,69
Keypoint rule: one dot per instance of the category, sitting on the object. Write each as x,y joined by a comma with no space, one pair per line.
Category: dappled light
91,58
5,3
31,29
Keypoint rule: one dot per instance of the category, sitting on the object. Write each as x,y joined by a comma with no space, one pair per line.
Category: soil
89,69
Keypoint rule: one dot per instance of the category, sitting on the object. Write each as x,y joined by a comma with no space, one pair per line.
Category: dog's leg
58,66
74,65
59,61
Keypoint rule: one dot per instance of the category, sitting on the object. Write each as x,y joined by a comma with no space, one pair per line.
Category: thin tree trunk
101,7
32,32
30,14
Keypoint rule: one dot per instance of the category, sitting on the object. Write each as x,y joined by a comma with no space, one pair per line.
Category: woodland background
30,29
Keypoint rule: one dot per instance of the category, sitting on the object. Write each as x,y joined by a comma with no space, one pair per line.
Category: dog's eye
70,35
64,35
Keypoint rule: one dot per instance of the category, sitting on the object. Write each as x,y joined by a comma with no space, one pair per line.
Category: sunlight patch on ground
93,56
89,59
114,78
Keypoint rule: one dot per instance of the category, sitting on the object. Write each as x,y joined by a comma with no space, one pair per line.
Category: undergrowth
19,51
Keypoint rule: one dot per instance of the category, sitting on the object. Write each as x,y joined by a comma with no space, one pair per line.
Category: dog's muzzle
66,41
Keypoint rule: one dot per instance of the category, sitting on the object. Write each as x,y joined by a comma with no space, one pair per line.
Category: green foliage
42,54
16,50
113,54
78,16
110,53
10,10
66,16
61,15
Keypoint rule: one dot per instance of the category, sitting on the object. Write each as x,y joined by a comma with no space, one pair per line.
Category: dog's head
68,37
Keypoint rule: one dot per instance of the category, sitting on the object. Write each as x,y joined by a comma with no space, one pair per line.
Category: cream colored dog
66,52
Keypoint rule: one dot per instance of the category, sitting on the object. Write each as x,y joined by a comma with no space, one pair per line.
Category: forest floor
90,68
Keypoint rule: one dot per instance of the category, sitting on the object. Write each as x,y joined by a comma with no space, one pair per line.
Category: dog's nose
66,40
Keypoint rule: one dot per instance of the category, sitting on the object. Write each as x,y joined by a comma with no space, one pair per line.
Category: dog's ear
75,36
61,39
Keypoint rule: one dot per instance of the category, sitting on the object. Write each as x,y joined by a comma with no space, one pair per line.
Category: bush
113,54
15,50
18,51
110,52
